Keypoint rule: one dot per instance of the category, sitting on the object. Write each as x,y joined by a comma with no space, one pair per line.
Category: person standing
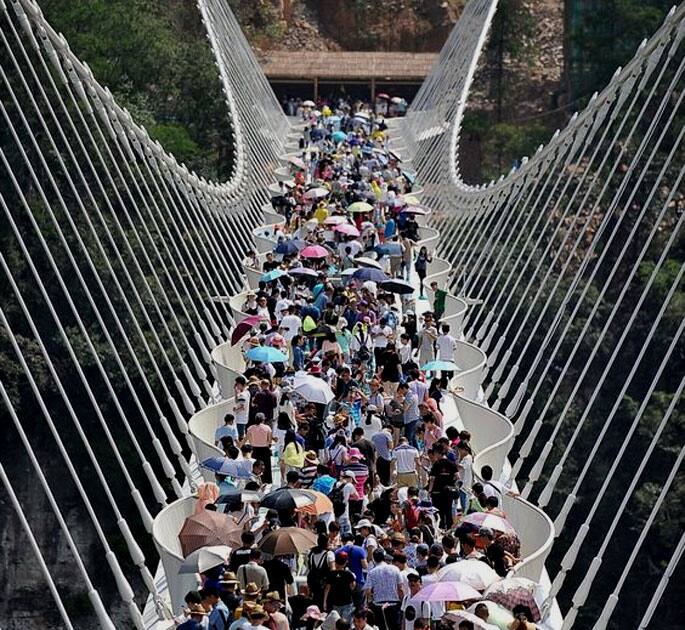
441,485
382,442
241,406
253,572
407,463
260,437
421,265
384,592
339,590
410,412
447,346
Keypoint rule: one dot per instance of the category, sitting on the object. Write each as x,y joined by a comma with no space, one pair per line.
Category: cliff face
408,25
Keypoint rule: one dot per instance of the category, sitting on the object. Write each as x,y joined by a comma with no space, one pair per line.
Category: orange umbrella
207,528
322,504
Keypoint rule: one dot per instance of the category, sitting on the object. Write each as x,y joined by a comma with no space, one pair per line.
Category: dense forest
154,57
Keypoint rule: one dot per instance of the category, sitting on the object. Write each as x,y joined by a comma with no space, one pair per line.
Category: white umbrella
498,616
397,100
368,262
317,193
362,115
297,162
313,389
308,104
205,558
473,572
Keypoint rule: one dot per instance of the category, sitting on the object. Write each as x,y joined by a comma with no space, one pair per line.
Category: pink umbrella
346,228
447,592
243,328
491,521
336,219
314,251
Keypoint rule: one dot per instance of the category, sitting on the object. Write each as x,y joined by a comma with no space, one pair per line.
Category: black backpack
337,499
317,574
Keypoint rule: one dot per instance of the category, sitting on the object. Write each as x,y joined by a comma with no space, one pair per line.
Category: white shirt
446,345
263,313
466,471
291,325
405,458
241,409
405,353
423,611
373,427
381,335
493,488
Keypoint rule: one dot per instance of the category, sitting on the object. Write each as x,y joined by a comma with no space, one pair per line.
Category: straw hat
228,578
196,609
310,456
257,612
275,597
252,590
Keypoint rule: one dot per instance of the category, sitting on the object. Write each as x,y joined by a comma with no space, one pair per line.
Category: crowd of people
346,392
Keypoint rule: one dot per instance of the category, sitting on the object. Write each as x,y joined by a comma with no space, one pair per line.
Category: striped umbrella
484,519
322,504
511,592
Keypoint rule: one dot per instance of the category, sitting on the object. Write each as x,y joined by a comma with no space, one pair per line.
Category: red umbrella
243,328
383,95
207,528
314,251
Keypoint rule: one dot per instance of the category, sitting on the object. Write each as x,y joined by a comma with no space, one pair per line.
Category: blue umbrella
266,354
440,366
368,273
339,136
219,465
289,247
409,176
272,275
389,249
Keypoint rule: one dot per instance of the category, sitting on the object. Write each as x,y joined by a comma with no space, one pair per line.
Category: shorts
407,480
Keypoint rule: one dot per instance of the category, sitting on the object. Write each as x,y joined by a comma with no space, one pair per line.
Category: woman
320,562
293,454
285,421
465,473
337,453
260,437
421,266
390,369
330,345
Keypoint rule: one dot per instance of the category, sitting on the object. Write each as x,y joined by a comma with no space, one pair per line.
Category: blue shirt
355,556
219,618
390,228
298,358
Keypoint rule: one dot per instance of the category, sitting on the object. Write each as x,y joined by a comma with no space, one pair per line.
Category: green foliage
154,57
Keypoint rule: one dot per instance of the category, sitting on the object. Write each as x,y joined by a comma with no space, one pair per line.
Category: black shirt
341,587
444,473
367,450
239,557
391,366
279,575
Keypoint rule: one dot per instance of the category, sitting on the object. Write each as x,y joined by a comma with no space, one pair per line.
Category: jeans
463,500
410,431
345,611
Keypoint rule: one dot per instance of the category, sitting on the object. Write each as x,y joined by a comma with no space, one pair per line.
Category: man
273,603
241,555
356,562
219,617
283,305
407,462
241,406
382,443
381,334
279,574
229,595
360,620
399,559
384,591
227,430
439,296
290,324
413,611
366,530
410,411
491,488
447,346
196,614
340,586
253,572
442,478
264,402
344,384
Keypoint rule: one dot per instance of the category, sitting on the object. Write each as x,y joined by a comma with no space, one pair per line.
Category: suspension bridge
551,270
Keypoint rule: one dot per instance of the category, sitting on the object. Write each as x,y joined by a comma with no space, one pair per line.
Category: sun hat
364,522
313,612
252,590
311,457
228,577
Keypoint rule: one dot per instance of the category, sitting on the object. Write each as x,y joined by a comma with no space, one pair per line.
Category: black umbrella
286,499
397,286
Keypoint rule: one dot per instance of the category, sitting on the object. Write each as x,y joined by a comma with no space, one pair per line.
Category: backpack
316,574
337,499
